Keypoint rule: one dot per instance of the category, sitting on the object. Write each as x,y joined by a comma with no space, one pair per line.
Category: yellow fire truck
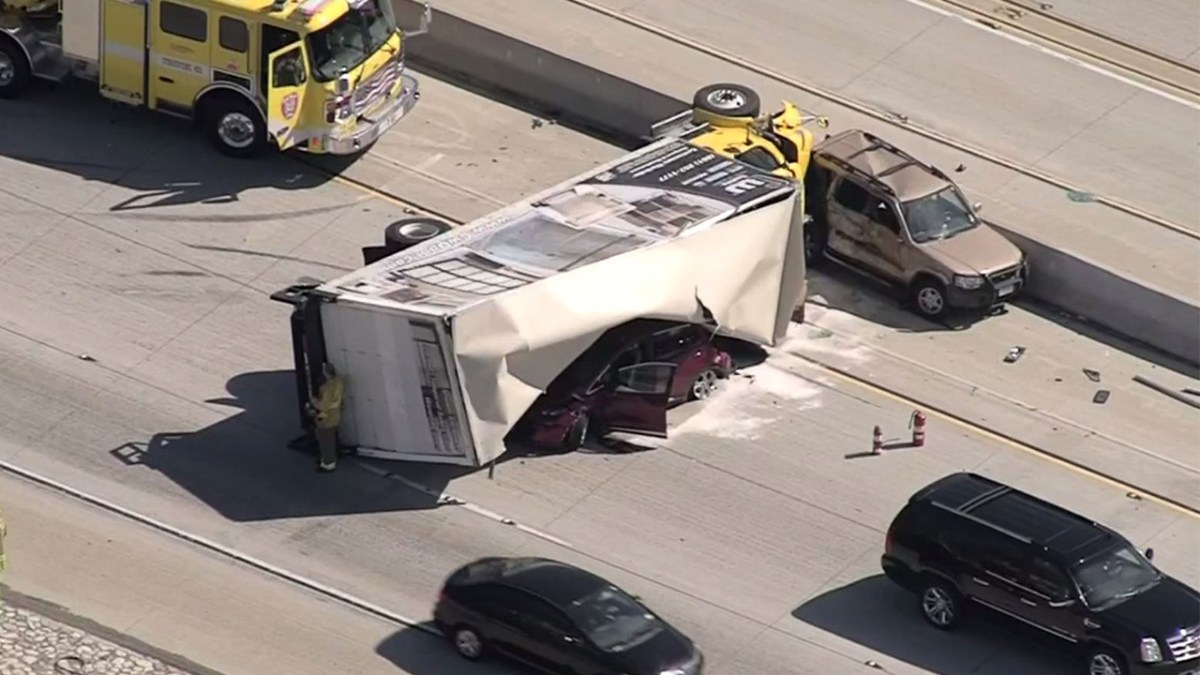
323,76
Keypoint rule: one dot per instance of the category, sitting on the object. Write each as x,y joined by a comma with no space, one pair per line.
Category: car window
1005,557
668,344
1113,576
940,215
884,215
501,602
850,195
759,158
542,619
1048,579
612,620
647,378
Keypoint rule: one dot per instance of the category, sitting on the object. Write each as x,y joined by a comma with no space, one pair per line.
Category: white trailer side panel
401,391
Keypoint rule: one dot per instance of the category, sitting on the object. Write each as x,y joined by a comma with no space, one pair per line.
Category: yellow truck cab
322,76
727,119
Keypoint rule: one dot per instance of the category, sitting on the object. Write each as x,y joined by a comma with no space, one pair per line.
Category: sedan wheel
1104,663
939,605
705,384
468,643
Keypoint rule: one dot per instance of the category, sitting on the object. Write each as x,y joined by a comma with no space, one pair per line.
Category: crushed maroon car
626,381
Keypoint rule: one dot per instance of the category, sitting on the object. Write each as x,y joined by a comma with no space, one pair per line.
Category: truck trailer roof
666,190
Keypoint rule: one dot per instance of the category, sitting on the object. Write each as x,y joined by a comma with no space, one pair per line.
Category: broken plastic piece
1080,196
1014,354
1092,375
1101,396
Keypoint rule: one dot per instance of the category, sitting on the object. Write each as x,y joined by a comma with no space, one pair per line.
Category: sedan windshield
1114,576
344,44
612,620
940,215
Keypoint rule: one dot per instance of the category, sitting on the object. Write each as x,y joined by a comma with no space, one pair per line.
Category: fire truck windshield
344,44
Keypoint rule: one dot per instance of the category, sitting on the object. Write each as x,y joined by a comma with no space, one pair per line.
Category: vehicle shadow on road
883,617
416,652
845,291
162,161
242,468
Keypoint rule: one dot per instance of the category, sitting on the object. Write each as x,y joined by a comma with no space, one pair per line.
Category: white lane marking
428,162
221,550
450,500
1057,54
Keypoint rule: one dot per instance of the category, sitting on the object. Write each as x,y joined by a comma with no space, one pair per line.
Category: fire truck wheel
234,126
408,232
729,100
15,75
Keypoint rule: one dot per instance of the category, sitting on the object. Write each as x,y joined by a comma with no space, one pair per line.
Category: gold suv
878,209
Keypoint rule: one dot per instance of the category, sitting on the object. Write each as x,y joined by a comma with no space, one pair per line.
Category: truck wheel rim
930,300
8,70
418,230
468,643
938,606
1103,664
236,130
727,99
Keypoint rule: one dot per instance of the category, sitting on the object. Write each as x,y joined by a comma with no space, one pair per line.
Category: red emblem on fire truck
289,105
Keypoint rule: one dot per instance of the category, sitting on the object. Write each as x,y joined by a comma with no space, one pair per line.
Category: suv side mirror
1149,554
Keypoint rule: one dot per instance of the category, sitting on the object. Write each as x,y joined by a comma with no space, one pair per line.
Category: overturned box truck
446,344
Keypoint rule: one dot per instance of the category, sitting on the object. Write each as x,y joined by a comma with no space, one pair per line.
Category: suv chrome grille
1004,276
1185,644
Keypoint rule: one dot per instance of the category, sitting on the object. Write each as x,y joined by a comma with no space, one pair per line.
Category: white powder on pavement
750,400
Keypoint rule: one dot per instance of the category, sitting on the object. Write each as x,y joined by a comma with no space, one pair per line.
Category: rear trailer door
402,392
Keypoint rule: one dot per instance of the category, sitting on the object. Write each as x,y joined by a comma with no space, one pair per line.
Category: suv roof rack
1015,513
876,179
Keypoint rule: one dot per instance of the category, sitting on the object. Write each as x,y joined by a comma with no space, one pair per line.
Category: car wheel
929,298
704,385
728,100
815,238
408,232
941,605
467,642
15,73
1103,661
577,434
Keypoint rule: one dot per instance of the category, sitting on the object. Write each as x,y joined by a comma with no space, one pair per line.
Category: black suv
965,540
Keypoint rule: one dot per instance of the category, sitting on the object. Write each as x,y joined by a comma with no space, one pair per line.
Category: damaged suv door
639,399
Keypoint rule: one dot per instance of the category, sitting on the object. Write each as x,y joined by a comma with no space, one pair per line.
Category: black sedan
559,619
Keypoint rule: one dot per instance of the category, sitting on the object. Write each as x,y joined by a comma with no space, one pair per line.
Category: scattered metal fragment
960,168
1093,375
872,664
508,521
1134,496
1080,196
1101,396
1046,6
86,357
536,123
1166,391
1014,354
820,333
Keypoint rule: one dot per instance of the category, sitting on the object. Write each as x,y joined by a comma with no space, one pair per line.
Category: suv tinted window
850,195
1048,579
670,343
1006,557
882,213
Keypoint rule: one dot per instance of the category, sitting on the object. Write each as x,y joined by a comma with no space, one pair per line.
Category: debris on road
1134,496
1014,354
1101,396
1093,375
1166,391
87,357
1080,196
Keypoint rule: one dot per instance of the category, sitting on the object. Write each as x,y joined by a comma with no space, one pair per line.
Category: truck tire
15,73
234,126
728,100
408,232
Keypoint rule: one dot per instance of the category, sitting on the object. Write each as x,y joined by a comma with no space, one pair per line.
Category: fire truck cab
322,76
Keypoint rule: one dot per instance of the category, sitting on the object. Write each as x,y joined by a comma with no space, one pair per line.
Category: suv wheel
941,605
1103,661
467,642
929,298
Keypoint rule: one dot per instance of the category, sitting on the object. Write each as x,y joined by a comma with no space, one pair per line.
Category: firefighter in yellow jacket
326,411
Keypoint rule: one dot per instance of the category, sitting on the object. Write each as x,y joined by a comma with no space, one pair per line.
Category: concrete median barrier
624,111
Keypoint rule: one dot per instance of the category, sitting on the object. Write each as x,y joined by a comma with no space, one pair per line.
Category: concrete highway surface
143,364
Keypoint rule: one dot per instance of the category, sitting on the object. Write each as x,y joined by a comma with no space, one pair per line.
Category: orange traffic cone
918,428
877,441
